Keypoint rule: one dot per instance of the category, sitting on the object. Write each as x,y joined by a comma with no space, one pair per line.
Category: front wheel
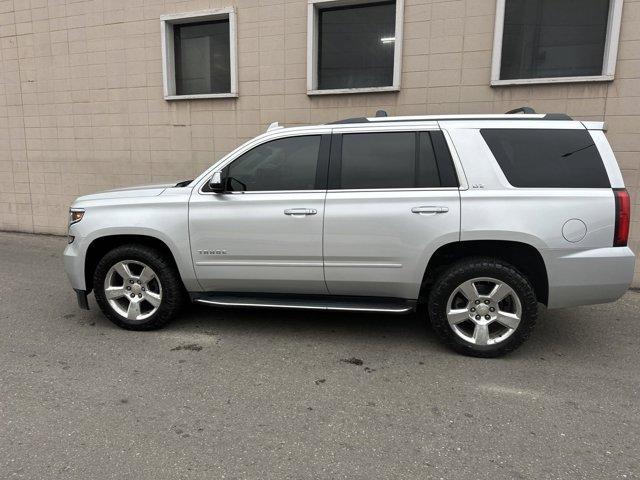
137,288
483,307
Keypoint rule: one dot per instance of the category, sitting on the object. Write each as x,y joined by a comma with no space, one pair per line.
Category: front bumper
73,260
588,277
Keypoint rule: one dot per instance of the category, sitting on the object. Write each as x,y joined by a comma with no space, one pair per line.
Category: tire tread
481,266
173,290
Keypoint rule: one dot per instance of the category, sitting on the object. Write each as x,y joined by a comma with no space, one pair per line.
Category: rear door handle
427,210
300,212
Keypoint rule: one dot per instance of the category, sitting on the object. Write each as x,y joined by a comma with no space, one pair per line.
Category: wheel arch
100,246
523,256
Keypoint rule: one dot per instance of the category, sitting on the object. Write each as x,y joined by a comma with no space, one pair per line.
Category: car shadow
555,332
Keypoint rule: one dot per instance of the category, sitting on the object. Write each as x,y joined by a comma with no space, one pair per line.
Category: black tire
173,293
472,268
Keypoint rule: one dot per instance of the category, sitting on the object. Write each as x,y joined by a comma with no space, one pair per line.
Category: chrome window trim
261,192
341,129
391,190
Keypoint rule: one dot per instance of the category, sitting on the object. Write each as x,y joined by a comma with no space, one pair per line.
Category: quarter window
537,40
547,158
283,164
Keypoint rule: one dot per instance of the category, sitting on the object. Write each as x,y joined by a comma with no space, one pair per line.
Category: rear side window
547,158
378,160
394,160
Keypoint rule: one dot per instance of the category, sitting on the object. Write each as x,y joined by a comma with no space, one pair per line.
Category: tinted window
446,170
553,38
202,57
426,168
378,160
547,158
283,164
389,160
356,45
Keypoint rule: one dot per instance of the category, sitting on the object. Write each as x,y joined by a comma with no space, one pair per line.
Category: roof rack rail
417,118
557,116
350,120
526,110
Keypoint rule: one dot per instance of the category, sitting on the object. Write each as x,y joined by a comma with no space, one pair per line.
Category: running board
306,302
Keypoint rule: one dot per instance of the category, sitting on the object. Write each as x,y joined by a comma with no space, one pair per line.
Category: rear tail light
623,217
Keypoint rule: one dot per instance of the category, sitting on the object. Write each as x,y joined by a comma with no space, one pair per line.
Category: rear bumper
587,277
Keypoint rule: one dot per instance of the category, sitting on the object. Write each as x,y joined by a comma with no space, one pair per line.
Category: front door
393,199
265,233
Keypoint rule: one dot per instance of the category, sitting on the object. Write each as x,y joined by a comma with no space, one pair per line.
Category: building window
199,54
545,41
354,47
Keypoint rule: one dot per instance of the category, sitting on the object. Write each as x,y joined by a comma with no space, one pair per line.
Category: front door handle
300,212
429,210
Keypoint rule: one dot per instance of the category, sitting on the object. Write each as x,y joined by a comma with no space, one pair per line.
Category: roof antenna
381,113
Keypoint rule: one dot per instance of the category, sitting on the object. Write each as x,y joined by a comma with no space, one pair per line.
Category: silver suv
477,217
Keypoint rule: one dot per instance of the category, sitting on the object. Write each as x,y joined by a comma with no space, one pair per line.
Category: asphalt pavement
262,394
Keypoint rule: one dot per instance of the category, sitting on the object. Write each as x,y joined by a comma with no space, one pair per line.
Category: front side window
547,158
199,54
395,160
354,46
553,39
283,164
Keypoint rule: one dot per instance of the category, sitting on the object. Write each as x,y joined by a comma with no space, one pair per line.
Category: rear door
393,199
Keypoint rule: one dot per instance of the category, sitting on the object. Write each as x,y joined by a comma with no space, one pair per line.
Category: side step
306,302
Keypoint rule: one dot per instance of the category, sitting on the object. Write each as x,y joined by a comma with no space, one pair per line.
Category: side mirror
216,183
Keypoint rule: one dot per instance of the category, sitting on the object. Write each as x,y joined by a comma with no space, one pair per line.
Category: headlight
75,215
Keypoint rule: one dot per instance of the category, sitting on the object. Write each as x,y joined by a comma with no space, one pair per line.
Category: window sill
200,96
342,91
533,81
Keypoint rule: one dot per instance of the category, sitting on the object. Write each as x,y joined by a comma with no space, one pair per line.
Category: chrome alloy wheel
133,290
484,311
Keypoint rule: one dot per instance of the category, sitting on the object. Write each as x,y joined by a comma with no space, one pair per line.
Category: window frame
312,46
608,63
320,179
334,180
222,165
168,50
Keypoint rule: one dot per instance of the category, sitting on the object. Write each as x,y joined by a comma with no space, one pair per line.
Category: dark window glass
446,170
283,164
378,160
202,57
426,169
389,160
541,158
553,38
356,45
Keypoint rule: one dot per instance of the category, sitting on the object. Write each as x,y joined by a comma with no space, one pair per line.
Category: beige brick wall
81,105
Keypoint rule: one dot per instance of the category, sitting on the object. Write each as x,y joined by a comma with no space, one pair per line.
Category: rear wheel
483,307
137,288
